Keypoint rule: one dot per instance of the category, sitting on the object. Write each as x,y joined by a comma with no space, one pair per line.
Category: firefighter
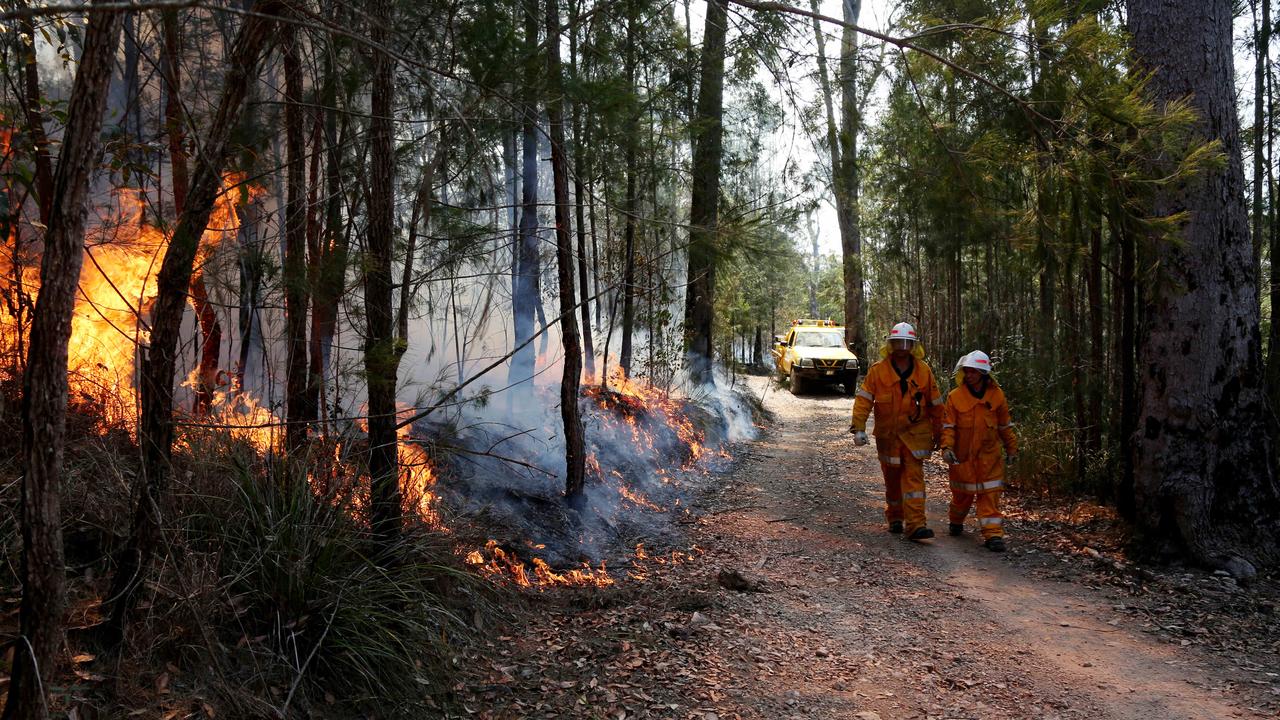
975,425
908,425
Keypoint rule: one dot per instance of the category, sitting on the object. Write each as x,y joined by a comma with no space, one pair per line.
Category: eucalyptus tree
1205,475
44,382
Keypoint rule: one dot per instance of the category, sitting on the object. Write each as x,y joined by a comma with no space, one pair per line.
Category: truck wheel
850,384
797,383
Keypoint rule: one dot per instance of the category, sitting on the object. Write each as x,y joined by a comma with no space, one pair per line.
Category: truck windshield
819,339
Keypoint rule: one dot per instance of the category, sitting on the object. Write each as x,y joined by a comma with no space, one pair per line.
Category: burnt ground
832,617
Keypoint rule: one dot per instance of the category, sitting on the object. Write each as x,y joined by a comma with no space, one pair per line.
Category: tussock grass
268,599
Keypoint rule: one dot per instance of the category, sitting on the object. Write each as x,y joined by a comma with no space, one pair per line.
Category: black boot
995,544
895,527
955,529
920,533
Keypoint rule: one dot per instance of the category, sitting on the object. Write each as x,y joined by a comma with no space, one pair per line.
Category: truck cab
812,353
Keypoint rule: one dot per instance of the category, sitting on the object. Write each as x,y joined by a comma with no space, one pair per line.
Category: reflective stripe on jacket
915,417
975,428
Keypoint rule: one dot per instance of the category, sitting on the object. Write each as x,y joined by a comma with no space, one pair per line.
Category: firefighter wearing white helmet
904,395
976,423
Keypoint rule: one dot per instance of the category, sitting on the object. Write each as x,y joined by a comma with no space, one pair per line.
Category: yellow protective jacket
914,416
975,428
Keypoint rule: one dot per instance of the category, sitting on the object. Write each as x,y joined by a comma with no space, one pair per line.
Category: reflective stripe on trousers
977,487
904,490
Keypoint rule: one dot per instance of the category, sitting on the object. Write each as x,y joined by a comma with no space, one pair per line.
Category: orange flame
117,287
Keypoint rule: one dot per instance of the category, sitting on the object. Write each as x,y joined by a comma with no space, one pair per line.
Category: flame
123,252
497,563
631,398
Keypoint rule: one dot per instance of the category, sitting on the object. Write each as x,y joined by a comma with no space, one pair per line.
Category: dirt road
941,629
854,622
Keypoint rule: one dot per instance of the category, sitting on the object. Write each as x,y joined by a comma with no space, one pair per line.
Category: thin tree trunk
382,352
631,204
206,317
31,102
44,382
1262,57
704,204
851,227
299,413
527,299
155,434
579,189
574,446
1096,370
331,259
1205,476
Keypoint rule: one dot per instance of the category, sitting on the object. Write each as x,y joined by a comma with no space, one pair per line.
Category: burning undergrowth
502,473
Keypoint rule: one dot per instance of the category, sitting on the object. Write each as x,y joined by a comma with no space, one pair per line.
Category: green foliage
305,582
984,207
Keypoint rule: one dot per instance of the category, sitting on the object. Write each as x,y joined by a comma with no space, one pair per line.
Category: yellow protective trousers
903,470
990,521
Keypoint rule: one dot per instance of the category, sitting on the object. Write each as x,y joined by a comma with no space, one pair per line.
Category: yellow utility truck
812,353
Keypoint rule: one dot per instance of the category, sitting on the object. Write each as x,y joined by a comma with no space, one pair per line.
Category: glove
860,438
949,457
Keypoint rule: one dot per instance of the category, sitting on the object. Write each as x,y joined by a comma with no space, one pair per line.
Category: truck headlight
851,364
806,362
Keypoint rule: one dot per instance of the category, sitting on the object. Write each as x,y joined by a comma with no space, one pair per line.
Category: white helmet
902,331
977,360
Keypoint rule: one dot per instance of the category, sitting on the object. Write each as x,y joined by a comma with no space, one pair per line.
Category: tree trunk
155,434
44,382
631,204
331,263
381,351
31,102
526,298
298,411
206,317
1262,57
704,205
851,226
574,442
1205,476
1096,370
579,190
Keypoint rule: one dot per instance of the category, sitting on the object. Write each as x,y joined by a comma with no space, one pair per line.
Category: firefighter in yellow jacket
908,424
976,424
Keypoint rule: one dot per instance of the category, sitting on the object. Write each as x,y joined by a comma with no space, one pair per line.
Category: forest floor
840,619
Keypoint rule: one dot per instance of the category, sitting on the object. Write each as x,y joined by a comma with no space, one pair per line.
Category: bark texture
44,382
1204,469
156,426
570,415
299,410
381,351
526,295
705,201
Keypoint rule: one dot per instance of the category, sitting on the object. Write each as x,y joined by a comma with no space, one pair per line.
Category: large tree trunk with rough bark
44,383
156,425
1204,466
704,207
382,352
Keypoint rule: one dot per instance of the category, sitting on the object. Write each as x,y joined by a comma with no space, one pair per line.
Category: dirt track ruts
861,623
